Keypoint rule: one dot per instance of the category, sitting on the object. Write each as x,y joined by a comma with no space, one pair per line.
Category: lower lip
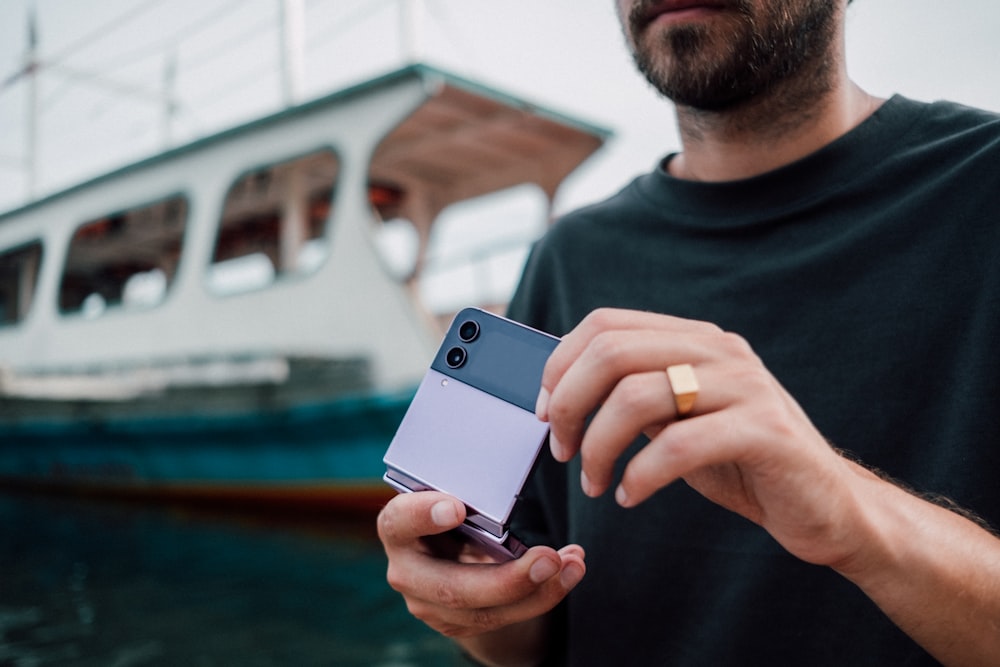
684,15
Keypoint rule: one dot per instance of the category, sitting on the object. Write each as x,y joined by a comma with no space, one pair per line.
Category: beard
715,68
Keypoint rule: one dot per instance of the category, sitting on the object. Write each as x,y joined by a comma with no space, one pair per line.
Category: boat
222,322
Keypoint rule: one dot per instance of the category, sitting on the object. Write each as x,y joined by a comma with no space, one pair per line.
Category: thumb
410,516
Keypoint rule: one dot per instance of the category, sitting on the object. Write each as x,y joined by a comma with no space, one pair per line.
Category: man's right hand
465,594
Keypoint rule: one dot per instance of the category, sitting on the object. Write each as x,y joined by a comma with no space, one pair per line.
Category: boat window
18,277
274,223
396,239
478,248
124,260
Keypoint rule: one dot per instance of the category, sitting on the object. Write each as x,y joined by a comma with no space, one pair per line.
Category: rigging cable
176,38
216,51
147,51
104,30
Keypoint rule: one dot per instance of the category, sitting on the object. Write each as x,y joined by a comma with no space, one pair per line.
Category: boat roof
467,138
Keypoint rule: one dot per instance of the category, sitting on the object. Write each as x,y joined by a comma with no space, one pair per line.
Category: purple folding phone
471,429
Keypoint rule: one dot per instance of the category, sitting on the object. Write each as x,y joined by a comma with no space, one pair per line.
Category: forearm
935,573
522,644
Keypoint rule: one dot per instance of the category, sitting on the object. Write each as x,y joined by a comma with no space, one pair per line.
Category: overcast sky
99,106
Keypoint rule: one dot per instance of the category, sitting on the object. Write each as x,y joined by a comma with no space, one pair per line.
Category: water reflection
92,583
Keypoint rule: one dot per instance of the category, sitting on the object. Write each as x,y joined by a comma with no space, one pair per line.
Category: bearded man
773,431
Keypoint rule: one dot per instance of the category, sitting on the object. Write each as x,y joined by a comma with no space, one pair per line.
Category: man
810,241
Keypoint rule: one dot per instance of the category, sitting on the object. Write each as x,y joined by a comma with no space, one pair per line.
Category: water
93,583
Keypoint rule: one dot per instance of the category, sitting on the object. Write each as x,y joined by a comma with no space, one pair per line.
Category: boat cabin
283,235
248,312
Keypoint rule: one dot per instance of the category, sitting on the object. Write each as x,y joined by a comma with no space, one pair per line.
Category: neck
767,133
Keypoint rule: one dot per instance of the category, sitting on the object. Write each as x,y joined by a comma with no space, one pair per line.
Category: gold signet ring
685,387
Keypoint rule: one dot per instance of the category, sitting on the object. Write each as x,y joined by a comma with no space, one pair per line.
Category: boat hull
323,455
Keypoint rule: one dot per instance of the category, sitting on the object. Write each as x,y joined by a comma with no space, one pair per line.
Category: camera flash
444,383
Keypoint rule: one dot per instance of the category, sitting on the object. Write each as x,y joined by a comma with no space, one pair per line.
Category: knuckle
772,418
674,446
761,392
606,347
600,319
755,381
709,327
630,392
485,619
446,596
395,578
736,345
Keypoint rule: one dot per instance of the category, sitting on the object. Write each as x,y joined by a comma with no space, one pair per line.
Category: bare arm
935,573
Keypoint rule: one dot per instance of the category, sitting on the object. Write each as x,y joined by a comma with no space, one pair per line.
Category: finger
679,450
637,402
609,358
410,516
643,403
573,550
413,571
543,600
574,343
602,320
472,585
463,619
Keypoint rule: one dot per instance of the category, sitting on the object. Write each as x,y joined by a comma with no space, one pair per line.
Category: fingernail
573,549
444,514
621,496
542,570
588,488
542,404
571,576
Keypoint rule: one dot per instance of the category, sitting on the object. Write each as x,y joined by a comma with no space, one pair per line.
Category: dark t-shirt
867,277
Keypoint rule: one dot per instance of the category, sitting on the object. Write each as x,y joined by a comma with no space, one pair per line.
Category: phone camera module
455,357
469,331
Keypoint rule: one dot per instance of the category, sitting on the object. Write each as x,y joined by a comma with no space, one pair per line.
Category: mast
30,70
169,99
292,44
411,30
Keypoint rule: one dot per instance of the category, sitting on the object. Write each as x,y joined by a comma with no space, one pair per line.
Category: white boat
218,321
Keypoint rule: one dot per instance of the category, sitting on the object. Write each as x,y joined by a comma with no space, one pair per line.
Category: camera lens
455,357
469,331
